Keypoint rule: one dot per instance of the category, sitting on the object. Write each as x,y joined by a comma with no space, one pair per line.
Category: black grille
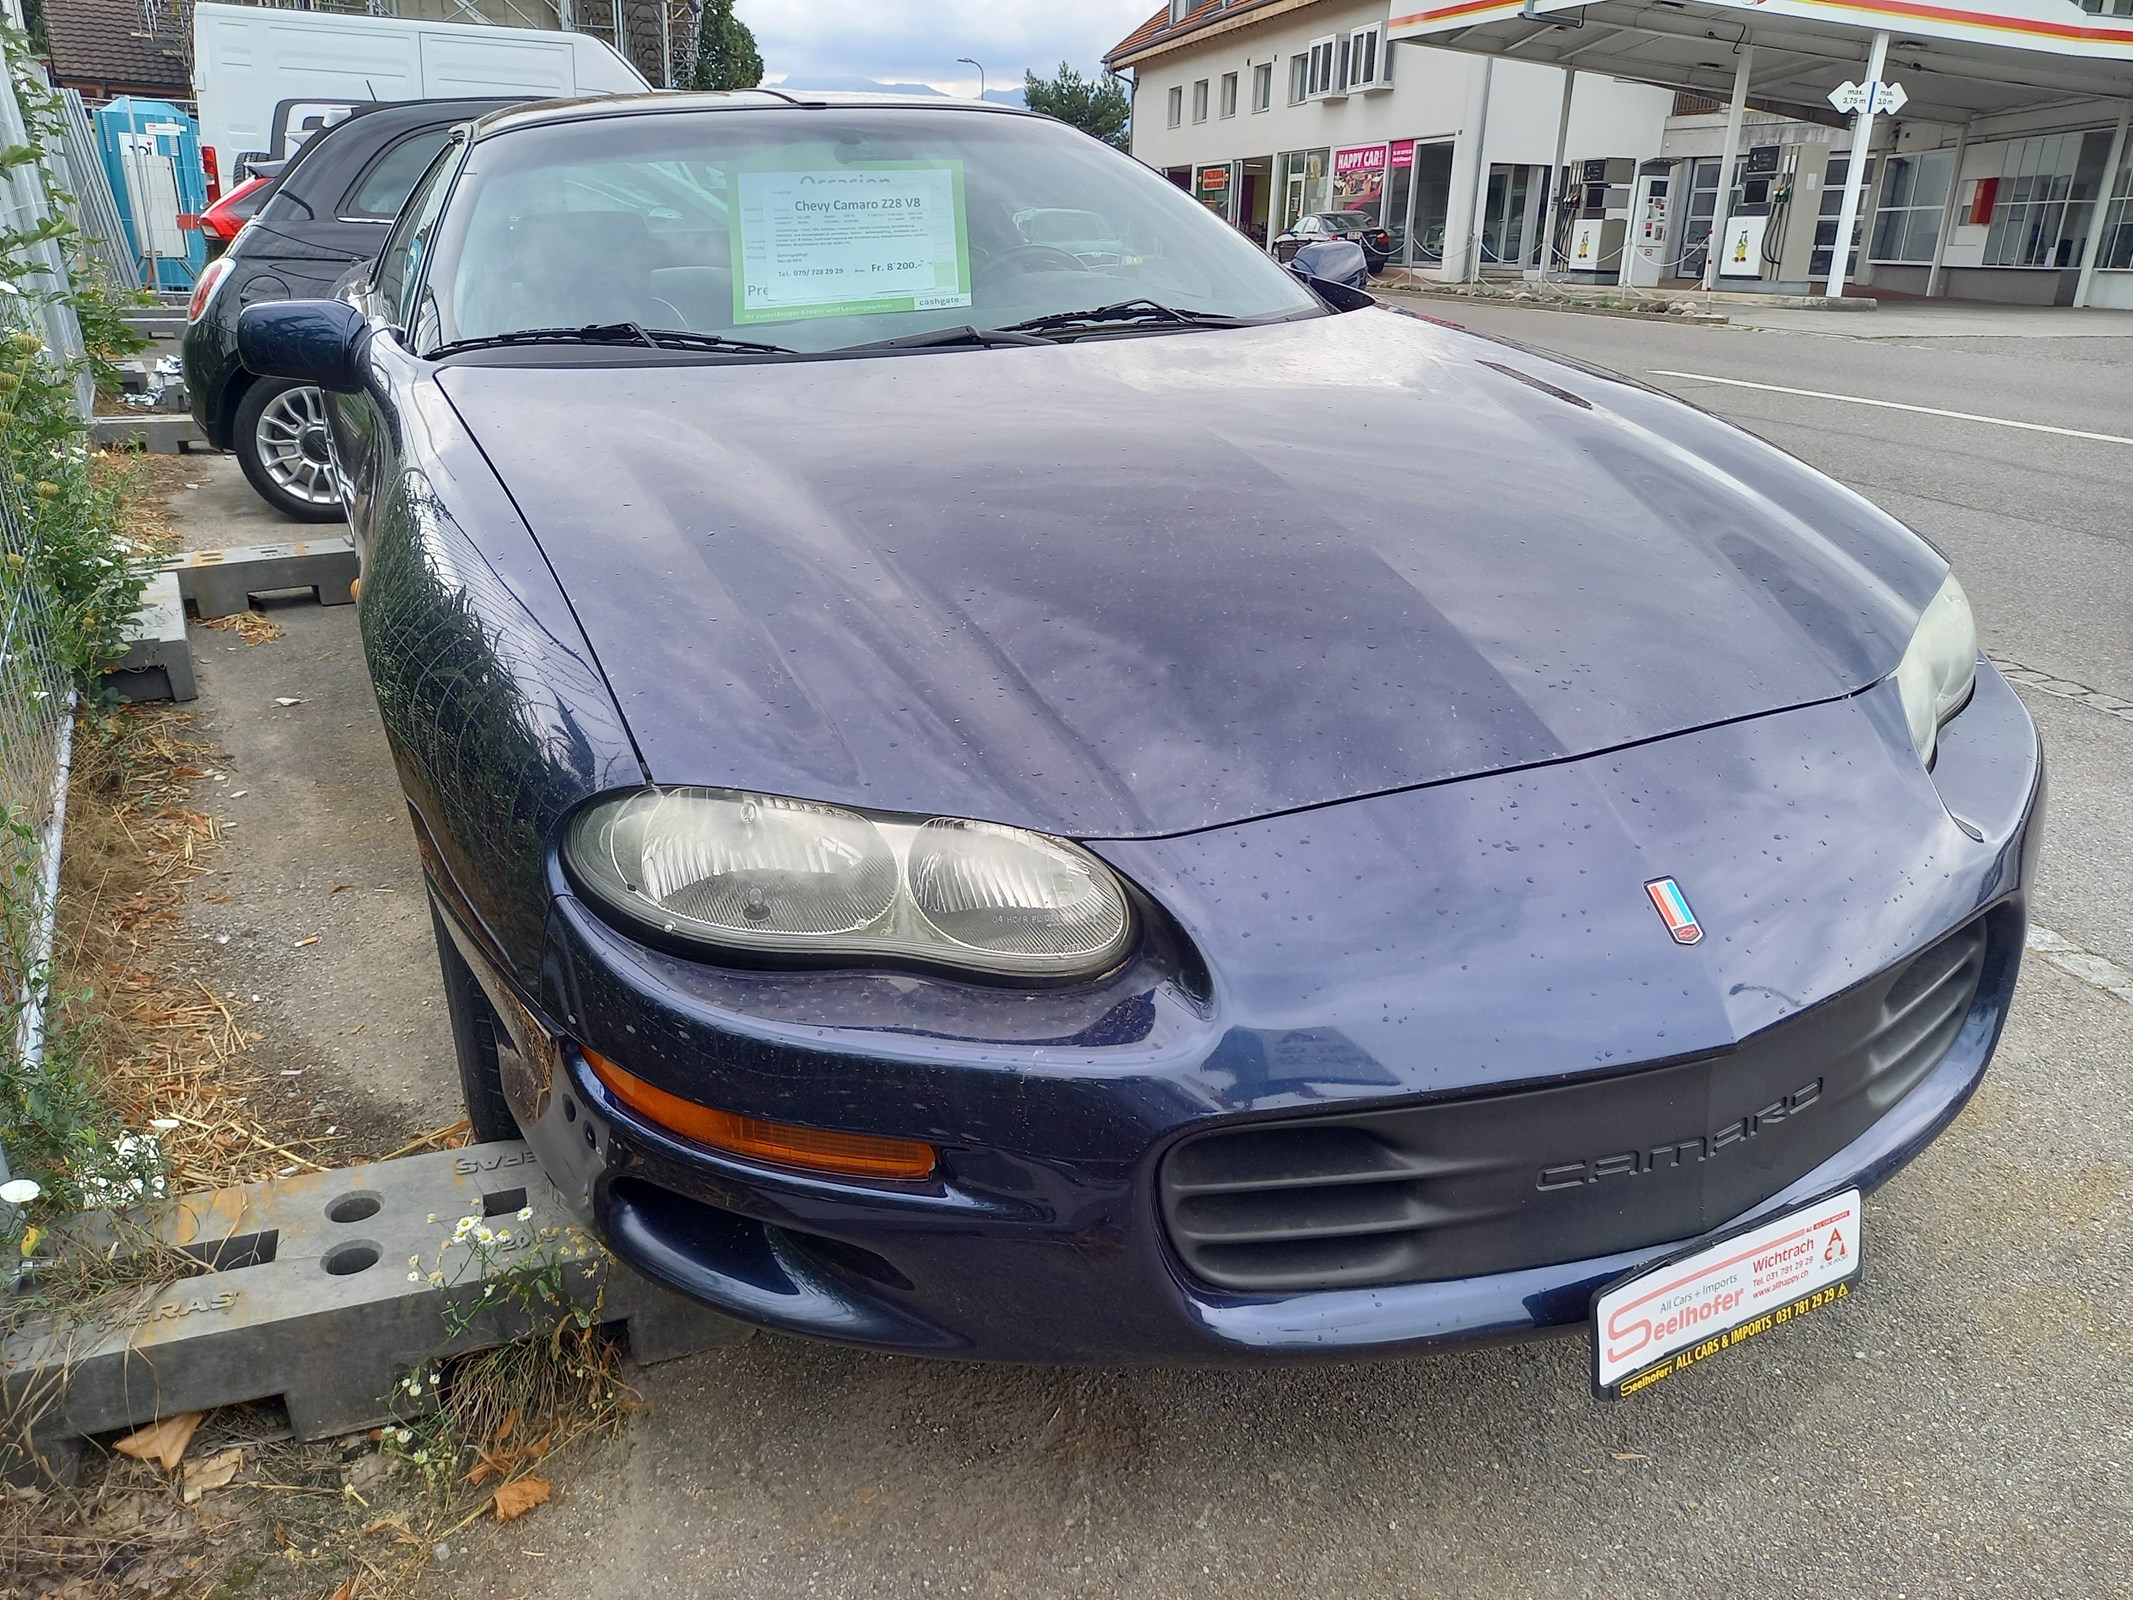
1460,1188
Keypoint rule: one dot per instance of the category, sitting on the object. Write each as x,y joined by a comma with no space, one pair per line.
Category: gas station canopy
1956,59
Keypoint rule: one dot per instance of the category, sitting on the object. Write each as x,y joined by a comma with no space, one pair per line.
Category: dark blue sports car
989,805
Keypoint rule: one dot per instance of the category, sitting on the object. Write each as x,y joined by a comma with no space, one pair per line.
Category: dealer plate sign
1665,1318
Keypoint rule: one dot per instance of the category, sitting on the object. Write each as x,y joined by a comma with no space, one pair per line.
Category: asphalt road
1963,1426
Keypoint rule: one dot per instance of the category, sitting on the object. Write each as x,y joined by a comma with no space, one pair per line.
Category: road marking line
2110,705
2098,972
1896,405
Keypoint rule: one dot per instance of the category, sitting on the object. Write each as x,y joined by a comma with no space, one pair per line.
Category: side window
406,249
385,185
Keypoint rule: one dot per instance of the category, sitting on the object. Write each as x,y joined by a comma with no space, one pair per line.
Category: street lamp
965,61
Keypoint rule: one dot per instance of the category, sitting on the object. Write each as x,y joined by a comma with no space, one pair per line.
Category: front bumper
1510,946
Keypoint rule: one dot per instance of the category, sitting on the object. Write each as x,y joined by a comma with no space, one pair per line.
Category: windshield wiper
936,337
614,333
1126,313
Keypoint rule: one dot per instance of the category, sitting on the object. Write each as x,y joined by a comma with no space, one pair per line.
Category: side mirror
320,342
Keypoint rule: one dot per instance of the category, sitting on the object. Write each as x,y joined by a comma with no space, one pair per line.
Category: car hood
1141,586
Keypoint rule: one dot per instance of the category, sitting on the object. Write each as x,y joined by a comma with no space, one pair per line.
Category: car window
406,250
819,230
1353,219
383,189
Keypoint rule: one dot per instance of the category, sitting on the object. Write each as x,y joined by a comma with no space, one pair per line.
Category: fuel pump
1597,196
1755,229
1650,243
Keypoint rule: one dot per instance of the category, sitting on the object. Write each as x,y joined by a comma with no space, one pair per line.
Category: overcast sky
917,41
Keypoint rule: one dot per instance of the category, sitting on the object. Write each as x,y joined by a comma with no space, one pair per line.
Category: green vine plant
72,578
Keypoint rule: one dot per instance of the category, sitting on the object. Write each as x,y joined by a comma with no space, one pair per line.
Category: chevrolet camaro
988,803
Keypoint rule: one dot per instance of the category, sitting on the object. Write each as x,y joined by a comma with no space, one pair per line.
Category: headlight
1939,668
760,875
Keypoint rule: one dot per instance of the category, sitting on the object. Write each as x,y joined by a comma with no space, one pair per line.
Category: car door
365,430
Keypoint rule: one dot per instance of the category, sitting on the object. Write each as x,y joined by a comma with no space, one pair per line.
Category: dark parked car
1357,227
982,806
327,210
1333,261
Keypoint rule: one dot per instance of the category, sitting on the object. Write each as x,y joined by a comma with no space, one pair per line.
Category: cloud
918,40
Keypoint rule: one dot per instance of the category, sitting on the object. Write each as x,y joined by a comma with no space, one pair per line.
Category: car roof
327,155
594,107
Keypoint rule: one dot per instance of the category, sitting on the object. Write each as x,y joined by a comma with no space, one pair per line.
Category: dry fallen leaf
401,1532
347,1589
503,1428
211,1473
516,1499
337,888
163,1440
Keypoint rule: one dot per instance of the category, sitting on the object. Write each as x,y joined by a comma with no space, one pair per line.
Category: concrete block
219,583
158,664
319,1290
158,435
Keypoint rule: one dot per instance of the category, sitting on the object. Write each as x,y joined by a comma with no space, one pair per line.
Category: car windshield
817,229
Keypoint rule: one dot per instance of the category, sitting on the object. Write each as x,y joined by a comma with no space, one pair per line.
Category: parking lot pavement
1963,1426
312,913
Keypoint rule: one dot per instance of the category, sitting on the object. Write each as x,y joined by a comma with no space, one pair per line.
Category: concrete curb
158,663
220,583
1701,320
324,1290
160,435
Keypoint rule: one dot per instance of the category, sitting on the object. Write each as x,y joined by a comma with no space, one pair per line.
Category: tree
726,56
1100,107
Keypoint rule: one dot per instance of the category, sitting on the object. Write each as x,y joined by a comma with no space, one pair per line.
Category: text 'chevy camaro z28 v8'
994,803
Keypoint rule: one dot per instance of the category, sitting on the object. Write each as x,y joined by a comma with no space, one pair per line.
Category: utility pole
965,61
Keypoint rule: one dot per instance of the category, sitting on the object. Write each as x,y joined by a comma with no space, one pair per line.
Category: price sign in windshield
851,241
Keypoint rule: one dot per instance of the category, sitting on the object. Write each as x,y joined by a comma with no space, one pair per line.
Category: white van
266,79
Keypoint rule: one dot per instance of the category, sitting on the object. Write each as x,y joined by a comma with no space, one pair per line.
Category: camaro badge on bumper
1674,910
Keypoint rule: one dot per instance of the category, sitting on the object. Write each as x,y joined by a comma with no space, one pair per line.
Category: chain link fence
36,703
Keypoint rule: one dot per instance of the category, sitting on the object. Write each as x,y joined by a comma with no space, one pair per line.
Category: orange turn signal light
851,1155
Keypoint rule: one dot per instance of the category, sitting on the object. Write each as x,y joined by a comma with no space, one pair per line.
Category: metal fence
36,721
79,166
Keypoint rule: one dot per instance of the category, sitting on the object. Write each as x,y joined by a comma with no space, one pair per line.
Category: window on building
2117,248
1229,94
1367,61
1914,194
1322,69
1181,9
1299,77
2108,8
1263,86
1177,106
2048,191
1831,212
1199,101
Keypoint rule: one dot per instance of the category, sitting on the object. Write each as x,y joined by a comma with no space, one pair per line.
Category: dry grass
249,626
164,1051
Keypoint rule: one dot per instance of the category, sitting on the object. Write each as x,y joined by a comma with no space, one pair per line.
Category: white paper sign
1725,1295
850,241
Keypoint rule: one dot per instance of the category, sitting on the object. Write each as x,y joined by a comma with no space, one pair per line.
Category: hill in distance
857,85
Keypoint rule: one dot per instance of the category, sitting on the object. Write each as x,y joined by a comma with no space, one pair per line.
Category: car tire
474,1033
279,435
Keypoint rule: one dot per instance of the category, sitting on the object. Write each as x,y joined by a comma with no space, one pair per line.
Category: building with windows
1273,110
1997,166
1588,137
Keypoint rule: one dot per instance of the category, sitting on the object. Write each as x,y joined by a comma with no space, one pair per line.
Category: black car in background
1357,227
329,210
